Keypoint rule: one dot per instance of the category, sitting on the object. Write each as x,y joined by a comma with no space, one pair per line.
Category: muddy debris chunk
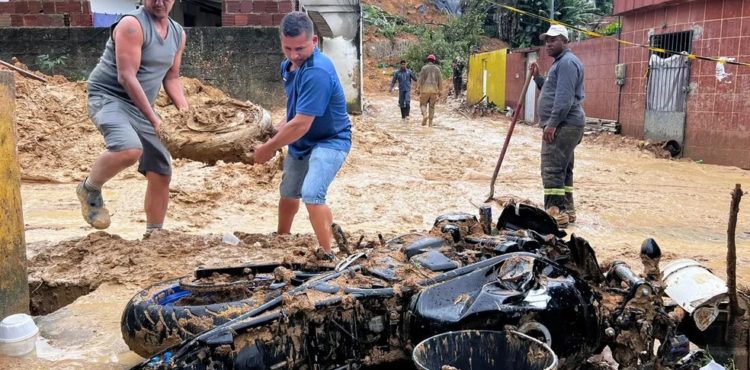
340,237
283,274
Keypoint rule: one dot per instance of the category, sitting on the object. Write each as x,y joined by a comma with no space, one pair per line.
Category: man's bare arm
128,38
172,82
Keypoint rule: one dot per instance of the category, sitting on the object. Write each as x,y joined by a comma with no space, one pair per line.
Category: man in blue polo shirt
316,128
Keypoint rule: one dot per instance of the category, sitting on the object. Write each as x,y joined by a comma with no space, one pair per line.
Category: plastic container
484,350
18,334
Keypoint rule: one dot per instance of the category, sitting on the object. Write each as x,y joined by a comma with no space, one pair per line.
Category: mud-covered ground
398,177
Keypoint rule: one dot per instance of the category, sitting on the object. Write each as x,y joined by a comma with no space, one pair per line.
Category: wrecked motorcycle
375,306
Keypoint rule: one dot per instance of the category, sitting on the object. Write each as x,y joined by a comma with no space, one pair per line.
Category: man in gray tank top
122,90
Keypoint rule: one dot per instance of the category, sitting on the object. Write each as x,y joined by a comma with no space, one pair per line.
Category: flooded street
398,177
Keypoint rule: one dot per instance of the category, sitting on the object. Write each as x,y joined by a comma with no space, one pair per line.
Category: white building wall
113,6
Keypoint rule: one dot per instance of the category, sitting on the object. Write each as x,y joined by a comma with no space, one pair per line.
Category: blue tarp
105,20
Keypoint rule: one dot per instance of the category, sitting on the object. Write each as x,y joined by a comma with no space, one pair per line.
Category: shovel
516,113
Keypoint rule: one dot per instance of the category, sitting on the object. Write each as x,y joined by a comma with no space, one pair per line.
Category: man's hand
262,154
157,126
549,134
534,69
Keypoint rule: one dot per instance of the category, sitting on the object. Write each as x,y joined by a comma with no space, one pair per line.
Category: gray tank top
157,56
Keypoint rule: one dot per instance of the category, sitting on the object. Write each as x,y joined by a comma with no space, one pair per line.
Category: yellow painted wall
486,76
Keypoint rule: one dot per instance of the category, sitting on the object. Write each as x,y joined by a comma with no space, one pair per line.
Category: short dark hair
401,62
295,24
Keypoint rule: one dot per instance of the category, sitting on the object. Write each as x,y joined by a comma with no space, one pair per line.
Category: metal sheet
663,126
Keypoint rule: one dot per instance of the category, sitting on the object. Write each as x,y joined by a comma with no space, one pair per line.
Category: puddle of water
87,330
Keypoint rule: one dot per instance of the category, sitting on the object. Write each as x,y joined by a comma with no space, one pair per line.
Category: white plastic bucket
18,334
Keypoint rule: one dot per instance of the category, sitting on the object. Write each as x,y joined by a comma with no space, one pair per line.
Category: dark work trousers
458,84
557,167
404,102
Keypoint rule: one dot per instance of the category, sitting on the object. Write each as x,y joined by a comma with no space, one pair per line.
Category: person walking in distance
316,128
458,80
562,118
430,86
404,76
122,90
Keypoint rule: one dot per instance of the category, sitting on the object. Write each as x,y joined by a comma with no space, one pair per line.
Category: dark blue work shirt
315,90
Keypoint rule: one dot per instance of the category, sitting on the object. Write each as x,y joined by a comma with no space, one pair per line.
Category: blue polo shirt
315,90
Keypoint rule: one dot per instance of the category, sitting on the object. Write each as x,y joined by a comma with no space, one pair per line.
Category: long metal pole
14,284
552,9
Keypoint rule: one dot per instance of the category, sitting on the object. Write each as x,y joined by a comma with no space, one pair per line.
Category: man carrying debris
404,76
316,128
430,86
562,118
122,90
458,79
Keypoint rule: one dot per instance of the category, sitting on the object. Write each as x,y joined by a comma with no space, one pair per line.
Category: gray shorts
124,127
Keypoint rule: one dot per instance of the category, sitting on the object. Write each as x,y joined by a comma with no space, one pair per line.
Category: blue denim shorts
309,177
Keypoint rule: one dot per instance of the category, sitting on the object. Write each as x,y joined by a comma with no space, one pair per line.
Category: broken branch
23,71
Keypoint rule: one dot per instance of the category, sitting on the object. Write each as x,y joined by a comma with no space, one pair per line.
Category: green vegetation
523,31
480,18
47,64
611,29
455,39
386,24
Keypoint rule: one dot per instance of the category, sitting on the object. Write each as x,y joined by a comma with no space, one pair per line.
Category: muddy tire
154,319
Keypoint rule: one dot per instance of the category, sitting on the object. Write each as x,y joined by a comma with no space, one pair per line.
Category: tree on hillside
523,31
455,39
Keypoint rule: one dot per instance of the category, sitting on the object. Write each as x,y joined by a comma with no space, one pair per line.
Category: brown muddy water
398,177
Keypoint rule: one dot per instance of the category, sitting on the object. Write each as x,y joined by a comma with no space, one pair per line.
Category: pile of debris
57,141
377,304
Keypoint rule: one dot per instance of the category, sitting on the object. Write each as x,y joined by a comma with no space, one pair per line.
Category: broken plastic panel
695,289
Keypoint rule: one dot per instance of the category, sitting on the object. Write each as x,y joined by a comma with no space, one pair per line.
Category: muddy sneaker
322,255
561,217
92,207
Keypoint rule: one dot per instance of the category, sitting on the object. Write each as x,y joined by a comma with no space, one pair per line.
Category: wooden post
737,325
14,283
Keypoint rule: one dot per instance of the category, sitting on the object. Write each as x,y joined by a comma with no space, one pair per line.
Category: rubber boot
555,207
560,216
570,208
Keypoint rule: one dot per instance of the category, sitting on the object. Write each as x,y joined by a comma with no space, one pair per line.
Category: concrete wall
716,130
599,57
515,74
242,61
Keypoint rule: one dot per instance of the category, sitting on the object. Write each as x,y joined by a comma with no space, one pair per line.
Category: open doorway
197,13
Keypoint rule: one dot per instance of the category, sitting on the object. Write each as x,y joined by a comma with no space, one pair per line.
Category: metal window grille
669,72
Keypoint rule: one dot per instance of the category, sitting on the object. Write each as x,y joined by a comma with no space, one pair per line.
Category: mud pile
78,266
619,142
57,142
